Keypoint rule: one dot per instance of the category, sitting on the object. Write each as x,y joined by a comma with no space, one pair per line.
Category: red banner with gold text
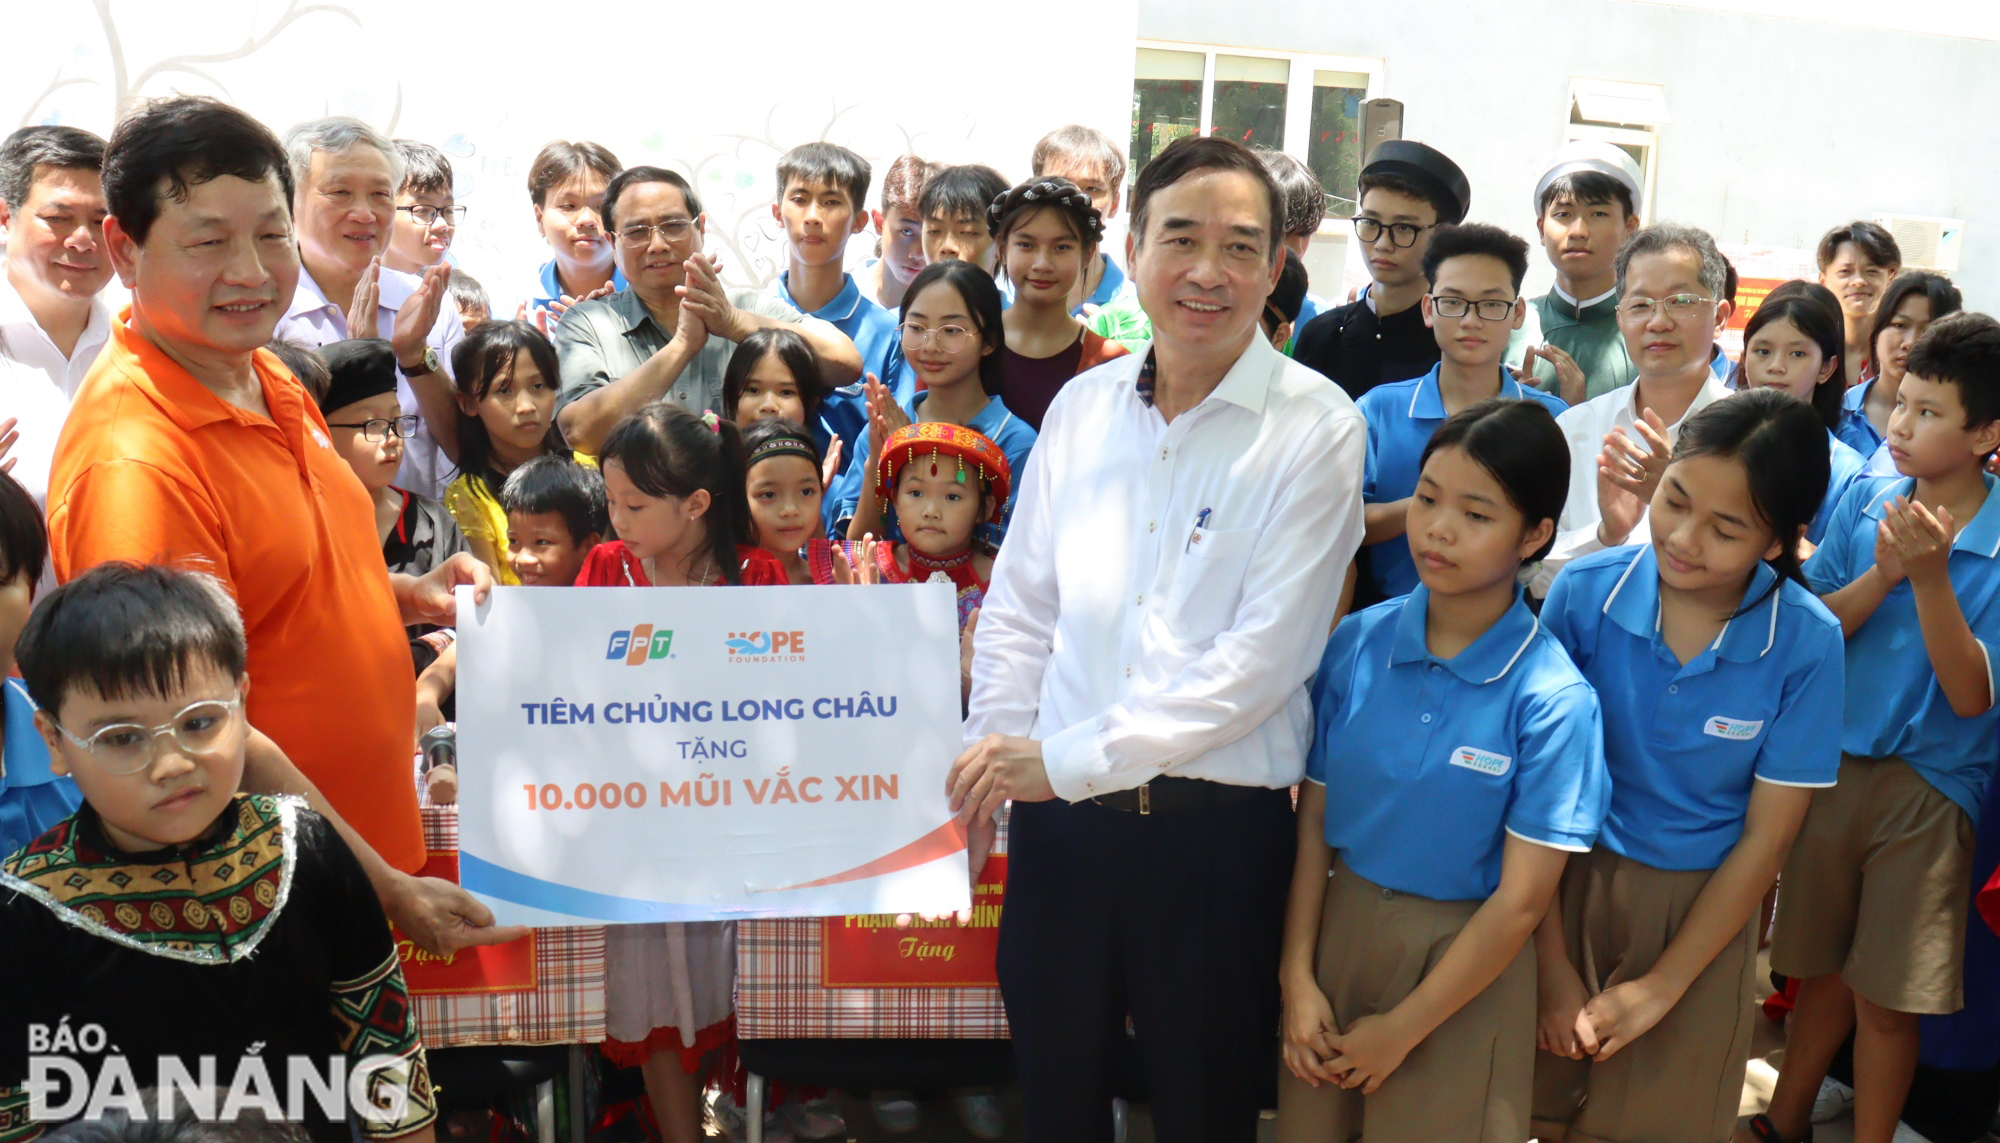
489,968
870,951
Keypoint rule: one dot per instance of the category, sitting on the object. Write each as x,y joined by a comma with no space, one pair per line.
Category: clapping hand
703,293
364,313
1634,467
1919,540
862,569
1570,381
418,313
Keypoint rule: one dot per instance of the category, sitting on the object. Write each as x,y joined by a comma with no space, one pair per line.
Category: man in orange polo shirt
188,444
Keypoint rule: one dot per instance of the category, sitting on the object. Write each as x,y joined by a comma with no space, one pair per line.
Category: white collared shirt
28,396
314,321
23,340
1584,427
1166,590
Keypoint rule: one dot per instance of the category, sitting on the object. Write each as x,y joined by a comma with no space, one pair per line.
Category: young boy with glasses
1474,302
198,930
427,216
368,430
1408,189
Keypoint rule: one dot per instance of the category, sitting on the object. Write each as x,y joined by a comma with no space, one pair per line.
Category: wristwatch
427,364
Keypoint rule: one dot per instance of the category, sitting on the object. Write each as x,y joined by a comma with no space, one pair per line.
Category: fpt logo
639,645
766,646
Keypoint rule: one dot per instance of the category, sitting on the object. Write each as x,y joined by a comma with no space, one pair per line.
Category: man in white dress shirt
1138,689
52,322
1671,300
345,176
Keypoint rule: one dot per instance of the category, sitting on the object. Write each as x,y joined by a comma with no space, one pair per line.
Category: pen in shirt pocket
1200,522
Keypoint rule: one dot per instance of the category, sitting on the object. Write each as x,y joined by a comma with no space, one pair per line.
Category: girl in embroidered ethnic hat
944,480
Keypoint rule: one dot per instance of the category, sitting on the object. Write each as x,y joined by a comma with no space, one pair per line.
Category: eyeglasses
380,429
1403,234
1680,307
127,747
1492,309
641,234
950,338
432,215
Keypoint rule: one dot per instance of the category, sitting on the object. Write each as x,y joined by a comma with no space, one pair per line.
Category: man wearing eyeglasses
670,334
346,177
1408,189
1672,284
427,215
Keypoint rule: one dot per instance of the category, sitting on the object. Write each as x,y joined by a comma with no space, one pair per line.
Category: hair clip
713,422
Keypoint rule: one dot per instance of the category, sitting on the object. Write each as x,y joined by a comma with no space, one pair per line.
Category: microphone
440,747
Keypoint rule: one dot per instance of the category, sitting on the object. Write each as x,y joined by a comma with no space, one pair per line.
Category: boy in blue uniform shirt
32,796
822,202
1475,300
1872,921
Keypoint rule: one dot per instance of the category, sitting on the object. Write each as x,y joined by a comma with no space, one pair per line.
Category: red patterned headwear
932,440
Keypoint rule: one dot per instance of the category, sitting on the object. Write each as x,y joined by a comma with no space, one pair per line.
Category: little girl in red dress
946,481
676,492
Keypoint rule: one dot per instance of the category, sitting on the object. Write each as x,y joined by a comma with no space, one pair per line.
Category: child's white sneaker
1907,1134
1834,1100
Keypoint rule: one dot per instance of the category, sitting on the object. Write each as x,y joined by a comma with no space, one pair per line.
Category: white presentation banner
677,754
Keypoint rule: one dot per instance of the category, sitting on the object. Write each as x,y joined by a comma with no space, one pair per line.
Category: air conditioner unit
1927,243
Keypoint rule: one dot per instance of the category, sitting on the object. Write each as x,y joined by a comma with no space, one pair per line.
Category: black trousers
1174,919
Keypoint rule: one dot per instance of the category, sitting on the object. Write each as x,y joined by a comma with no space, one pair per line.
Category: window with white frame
1626,115
1306,105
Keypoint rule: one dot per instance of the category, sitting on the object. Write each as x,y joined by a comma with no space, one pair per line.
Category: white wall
1781,127
715,89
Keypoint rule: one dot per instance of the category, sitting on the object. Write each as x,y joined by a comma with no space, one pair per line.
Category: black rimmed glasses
1491,309
381,428
424,215
1403,234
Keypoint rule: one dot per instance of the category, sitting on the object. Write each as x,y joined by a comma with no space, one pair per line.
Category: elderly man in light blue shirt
345,175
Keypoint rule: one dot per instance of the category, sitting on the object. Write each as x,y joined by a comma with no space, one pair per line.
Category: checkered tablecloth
566,1006
779,996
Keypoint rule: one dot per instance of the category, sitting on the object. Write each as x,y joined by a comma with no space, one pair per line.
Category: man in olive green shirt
1586,203
671,332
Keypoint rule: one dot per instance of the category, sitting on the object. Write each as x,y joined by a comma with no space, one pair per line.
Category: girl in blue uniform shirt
1794,343
1721,677
1449,715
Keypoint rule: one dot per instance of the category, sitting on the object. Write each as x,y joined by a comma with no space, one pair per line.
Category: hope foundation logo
766,646
639,645
1481,761
1735,729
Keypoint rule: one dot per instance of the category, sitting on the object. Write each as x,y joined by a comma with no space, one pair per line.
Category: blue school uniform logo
1734,729
1483,761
